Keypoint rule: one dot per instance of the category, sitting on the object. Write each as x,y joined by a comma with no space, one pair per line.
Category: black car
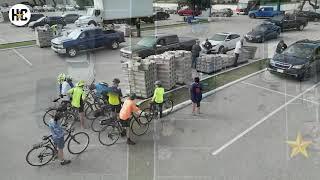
301,60
263,32
156,17
289,21
35,16
70,18
52,20
310,15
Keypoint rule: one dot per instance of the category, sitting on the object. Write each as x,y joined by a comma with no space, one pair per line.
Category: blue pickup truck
264,12
87,38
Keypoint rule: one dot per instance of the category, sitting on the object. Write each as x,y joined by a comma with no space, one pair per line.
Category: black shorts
116,108
125,123
81,108
196,102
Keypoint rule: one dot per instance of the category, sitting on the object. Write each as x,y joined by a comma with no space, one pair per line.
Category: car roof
226,33
309,42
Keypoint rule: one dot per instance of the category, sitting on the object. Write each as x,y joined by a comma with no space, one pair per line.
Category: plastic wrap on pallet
44,35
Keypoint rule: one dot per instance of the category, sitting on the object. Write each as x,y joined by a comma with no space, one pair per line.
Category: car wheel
92,23
263,39
252,16
72,52
115,45
221,50
301,27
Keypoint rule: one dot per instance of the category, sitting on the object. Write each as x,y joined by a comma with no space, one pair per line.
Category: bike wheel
147,115
40,156
168,105
78,143
139,128
48,115
95,124
90,111
109,135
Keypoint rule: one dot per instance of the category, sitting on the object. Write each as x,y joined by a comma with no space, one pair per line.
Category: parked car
289,21
52,20
265,12
222,12
157,44
310,15
60,7
156,17
70,18
70,8
35,17
263,32
170,10
87,38
48,8
189,12
221,42
300,60
38,9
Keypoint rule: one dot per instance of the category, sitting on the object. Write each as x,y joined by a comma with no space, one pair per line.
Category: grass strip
17,44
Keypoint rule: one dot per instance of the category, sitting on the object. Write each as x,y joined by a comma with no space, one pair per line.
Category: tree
83,3
314,5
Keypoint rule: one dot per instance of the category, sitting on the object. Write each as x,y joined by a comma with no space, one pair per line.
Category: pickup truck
289,21
157,44
265,12
85,39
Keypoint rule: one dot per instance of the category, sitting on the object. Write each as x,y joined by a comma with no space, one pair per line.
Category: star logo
19,16
299,146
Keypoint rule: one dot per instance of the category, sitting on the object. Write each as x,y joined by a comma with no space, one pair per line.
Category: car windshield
218,37
260,28
74,34
147,41
300,51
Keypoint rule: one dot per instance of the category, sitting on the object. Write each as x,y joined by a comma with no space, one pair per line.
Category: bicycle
152,111
112,131
105,114
47,149
65,108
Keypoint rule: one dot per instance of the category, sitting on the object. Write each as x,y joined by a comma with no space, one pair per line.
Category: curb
188,102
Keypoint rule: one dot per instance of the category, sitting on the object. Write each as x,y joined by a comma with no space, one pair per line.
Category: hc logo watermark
19,14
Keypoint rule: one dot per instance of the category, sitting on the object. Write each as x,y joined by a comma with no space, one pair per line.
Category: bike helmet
61,77
116,80
132,96
157,83
80,83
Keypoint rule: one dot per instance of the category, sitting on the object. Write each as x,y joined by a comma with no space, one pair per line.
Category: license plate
280,70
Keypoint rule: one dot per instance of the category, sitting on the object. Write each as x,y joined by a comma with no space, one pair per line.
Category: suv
289,21
52,20
301,60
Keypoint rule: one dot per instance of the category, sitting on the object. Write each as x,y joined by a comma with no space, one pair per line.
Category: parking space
241,134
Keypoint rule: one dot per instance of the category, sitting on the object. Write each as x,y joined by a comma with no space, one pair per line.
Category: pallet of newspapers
140,76
44,35
209,63
247,52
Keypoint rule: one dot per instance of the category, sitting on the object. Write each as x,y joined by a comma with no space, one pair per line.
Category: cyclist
101,88
114,98
78,96
66,86
58,137
157,98
61,78
128,108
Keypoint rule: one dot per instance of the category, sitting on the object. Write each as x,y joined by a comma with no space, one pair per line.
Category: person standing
128,108
66,86
78,96
195,53
196,95
57,133
157,98
281,47
114,98
237,51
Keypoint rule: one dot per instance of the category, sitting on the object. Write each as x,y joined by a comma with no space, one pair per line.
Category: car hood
61,40
293,60
255,33
134,48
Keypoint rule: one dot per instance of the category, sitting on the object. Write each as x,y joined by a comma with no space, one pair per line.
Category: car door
161,46
83,41
99,38
172,43
234,39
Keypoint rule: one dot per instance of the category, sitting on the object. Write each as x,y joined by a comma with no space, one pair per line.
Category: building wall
12,2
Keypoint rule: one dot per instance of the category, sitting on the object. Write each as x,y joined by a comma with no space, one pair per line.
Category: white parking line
216,152
22,57
278,92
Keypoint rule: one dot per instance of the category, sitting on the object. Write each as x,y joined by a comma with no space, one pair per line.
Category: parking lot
241,133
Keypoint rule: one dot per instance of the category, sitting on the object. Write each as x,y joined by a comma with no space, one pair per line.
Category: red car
188,12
